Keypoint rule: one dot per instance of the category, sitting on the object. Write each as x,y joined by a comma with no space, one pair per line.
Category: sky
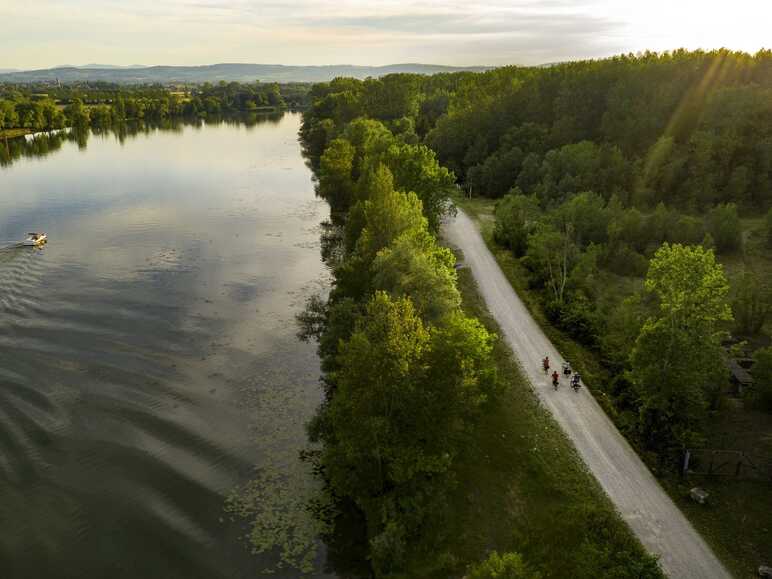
45,33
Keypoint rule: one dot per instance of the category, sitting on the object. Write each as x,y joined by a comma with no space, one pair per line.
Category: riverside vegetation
45,107
633,215
429,434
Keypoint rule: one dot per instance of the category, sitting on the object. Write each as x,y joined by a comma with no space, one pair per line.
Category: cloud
47,32
510,22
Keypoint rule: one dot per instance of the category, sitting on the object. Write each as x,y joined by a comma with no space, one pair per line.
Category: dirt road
654,518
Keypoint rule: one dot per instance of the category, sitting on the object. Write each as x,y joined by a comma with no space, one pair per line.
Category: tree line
390,437
46,108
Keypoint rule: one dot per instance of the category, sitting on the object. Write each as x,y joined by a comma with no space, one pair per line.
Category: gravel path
654,518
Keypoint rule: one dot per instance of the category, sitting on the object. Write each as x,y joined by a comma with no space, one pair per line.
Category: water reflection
42,144
148,362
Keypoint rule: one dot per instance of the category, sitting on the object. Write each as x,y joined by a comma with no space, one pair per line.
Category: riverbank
735,523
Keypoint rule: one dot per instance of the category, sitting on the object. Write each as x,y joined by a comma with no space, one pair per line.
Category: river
149,366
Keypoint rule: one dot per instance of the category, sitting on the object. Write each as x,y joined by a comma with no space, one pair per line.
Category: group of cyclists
575,380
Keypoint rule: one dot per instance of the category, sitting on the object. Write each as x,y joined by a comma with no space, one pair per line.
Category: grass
523,488
737,523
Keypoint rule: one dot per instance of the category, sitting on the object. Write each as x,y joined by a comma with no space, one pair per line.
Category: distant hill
95,65
218,72
4,70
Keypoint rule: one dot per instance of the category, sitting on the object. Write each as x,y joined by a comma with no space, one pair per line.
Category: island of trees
632,210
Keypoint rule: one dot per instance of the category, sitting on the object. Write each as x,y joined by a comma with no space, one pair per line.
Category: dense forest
598,163
624,185
44,107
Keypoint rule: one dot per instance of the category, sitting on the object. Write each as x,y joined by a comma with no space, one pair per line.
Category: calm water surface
148,359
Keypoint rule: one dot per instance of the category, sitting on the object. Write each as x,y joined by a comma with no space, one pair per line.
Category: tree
585,216
497,174
762,377
335,168
415,168
677,359
516,218
751,304
506,566
415,266
392,96
622,330
370,139
392,434
388,214
723,223
375,222
552,254
76,113
8,117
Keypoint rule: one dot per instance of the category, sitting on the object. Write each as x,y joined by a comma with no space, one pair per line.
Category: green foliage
622,330
690,285
579,167
391,434
516,218
723,223
370,139
393,437
751,304
649,128
762,377
677,359
585,217
335,169
506,566
104,105
414,265
604,553
497,174
392,97
415,168
552,254
388,215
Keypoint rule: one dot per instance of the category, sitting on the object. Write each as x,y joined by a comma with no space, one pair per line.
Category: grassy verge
523,488
737,523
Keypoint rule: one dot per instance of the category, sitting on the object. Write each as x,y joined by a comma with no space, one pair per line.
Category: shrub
762,377
516,216
506,566
623,260
723,223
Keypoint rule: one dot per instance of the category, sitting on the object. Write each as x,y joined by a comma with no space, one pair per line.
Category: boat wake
20,271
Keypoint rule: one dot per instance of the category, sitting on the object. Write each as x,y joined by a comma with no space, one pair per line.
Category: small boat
35,239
